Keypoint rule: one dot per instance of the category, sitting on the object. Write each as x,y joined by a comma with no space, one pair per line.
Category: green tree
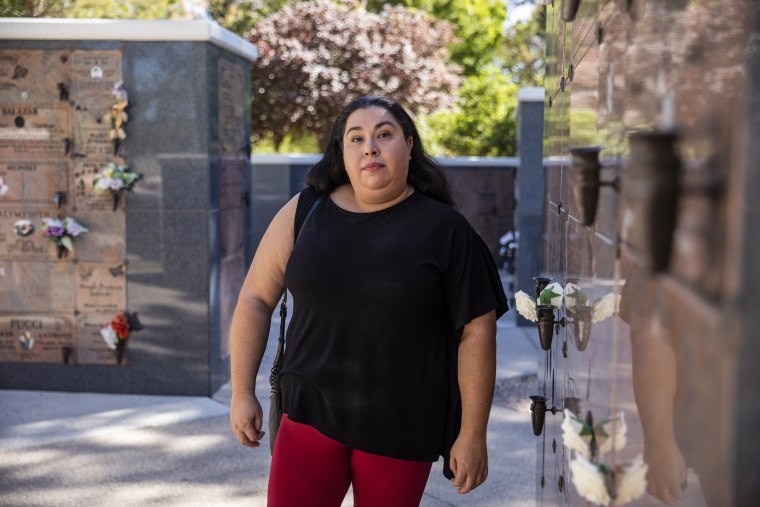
521,54
479,27
315,57
33,8
240,15
483,123
108,9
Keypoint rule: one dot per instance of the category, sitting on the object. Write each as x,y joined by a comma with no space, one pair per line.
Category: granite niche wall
651,233
170,254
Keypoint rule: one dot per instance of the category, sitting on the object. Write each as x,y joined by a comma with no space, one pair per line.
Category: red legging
310,469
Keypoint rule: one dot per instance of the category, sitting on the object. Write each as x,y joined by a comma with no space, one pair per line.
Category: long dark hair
425,175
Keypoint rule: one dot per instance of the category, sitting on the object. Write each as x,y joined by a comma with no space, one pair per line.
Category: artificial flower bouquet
117,332
571,296
115,179
62,232
594,480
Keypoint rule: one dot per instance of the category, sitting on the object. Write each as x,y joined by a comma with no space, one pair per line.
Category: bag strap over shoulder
308,201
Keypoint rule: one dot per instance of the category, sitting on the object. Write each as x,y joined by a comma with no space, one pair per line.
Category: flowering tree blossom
315,57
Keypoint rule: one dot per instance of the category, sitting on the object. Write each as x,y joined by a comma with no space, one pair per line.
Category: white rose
109,335
605,307
552,295
102,184
525,306
612,434
588,480
571,434
632,481
574,296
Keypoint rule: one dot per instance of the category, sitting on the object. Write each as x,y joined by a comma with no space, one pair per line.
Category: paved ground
82,449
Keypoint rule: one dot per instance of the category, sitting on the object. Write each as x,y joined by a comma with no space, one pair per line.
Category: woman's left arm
477,376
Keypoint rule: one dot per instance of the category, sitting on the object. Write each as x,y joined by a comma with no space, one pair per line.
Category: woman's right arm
258,298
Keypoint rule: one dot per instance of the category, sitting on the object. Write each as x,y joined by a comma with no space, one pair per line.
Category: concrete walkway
82,449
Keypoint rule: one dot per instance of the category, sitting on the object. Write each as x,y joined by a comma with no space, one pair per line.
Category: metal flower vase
651,189
582,315
584,174
545,326
538,413
570,9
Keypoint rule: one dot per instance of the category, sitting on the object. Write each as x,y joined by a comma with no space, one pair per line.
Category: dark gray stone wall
530,197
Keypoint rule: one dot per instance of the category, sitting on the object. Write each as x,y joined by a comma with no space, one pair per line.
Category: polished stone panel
37,287
32,181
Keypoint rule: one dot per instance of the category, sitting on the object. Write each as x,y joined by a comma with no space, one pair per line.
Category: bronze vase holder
547,326
61,251
66,353
119,353
538,413
581,320
651,188
115,196
570,9
585,170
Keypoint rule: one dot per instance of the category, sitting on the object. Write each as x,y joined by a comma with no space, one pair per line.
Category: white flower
116,184
552,295
109,335
525,306
632,480
610,434
571,434
605,307
102,184
574,296
589,481
53,222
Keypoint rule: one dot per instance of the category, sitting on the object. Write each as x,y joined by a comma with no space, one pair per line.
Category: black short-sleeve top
379,301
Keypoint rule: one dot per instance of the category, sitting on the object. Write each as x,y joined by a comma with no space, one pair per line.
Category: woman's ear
410,143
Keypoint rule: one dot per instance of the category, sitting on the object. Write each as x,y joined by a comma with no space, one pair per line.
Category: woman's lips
373,167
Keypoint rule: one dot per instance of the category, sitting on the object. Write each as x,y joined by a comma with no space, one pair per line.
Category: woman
396,299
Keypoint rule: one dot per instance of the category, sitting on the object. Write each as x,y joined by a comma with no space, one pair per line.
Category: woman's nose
370,148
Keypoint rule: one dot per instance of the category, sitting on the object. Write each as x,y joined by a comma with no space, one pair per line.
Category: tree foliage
522,50
33,8
478,27
483,123
107,9
314,57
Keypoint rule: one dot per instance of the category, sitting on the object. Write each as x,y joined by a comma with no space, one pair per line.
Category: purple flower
55,231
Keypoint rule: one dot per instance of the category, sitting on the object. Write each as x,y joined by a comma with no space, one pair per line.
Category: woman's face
376,155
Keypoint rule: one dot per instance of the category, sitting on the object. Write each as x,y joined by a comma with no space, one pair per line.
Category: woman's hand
246,418
469,462
666,476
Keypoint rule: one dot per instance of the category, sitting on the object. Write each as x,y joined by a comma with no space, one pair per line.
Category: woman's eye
356,139
384,134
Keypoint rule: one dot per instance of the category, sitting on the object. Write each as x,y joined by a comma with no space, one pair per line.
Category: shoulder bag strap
274,377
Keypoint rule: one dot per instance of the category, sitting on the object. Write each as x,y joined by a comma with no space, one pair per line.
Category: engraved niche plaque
37,339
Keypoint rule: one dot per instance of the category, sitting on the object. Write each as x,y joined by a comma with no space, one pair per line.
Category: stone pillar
529,189
174,248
